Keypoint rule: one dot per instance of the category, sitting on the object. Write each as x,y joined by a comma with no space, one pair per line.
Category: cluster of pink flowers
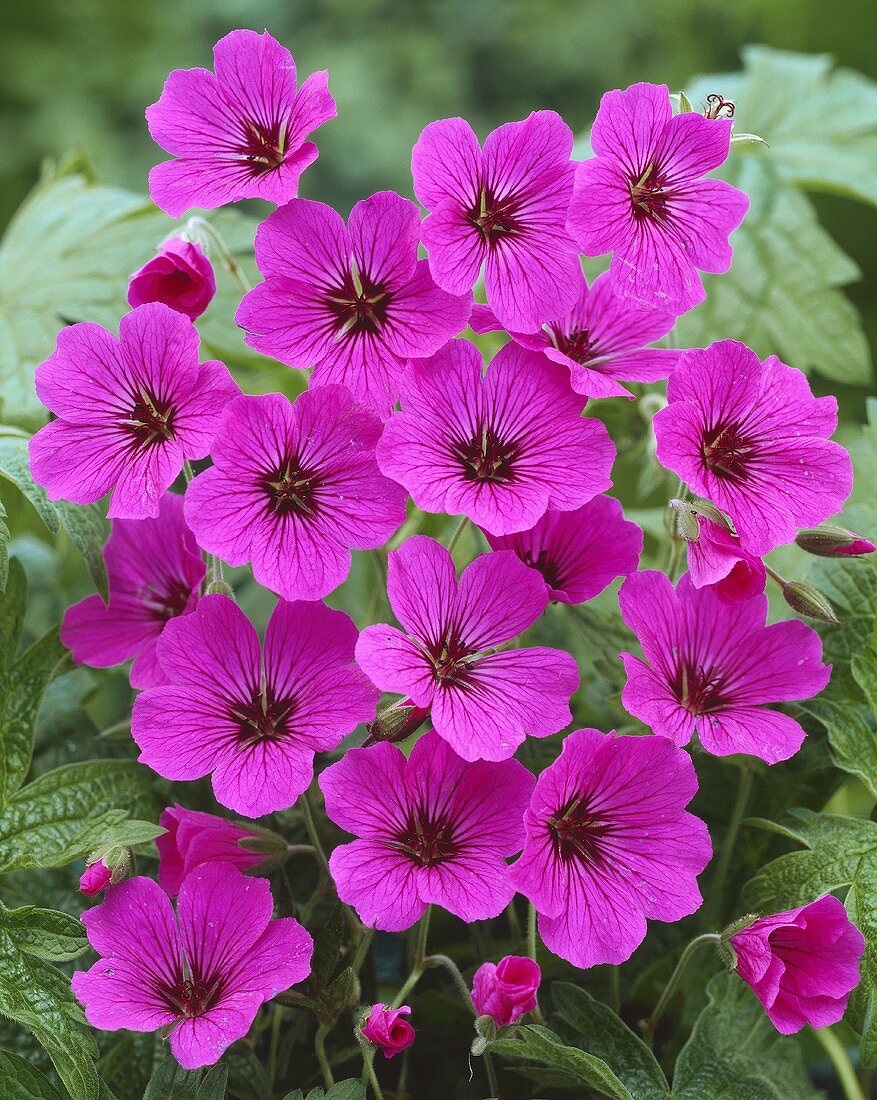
397,406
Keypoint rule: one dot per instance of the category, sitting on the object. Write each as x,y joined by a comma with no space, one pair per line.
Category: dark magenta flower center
167,603
487,458
292,489
726,450
697,689
576,345
192,995
426,840
359,305
150,420
262,719
550,569
496,219
450,660
648,195
578,834
263,144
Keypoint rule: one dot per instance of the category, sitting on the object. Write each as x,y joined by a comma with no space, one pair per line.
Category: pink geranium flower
803,964
432,829
202,973
354,302
193,838
710,668
386,1029
643,198
130,411
484,699
239,134
602,340
252,716
503,207
506,991
180,275
609,845
292,488
155,572
752,438
578,553
717,560
501,449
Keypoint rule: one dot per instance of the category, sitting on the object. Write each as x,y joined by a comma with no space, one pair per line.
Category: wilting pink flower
180,275
432,829
155,572
130,411
578,553
95,878
203,973
239,134
386,1029
717,560
484,699
193,838
803,964
355,303
643,197
503,207
710,668
506,990
501,449
252,716
609,845
602,340
752,438
292,488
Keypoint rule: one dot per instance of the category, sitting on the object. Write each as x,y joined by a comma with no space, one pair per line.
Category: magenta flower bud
95,878
179,275
386,1029
507,990
803,963
829,540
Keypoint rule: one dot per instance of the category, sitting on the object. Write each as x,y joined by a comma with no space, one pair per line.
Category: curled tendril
718,107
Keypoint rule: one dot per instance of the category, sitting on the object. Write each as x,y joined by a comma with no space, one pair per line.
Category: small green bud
829,540
221,587
809,601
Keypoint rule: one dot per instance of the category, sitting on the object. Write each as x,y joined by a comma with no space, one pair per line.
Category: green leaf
839,852
537,1044
45,933
343,1090
5,536
19,1080
852,737
735,1053
37,995
597,1029
170,1081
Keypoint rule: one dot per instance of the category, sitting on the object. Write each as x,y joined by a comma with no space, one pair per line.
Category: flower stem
368,1061
775,576
458,530
320,1050
224,251
713,911
365,940
493,1084
325,874
443,960
531,931
843,1067
419,957
188,472
670,988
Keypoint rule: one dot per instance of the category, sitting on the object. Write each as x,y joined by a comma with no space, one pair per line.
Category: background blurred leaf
19,1080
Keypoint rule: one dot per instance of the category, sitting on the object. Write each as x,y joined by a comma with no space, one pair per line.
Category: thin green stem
531,931
843,1067
368,1062
188,472
615,988
224,251
419,956
458,531
325,875
116,728
675,977
514,923
676,542
775,576
445,961
713,911
365,941
320,1050
276,1021
492,1082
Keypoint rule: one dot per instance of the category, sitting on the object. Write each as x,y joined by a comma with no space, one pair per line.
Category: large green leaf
735,1053
839,852
45,933
343,1090
171,1082
532,1044
19,1080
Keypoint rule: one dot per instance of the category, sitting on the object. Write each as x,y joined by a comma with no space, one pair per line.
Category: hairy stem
843,1067
675,977
231,264
493,1084
419,957
458,531
320,1050
443,960
713,911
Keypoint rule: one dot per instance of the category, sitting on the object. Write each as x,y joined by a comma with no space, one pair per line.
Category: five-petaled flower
252,716
609,845
238,134
202,973
503,207
484,699
354,302
155,572
710,667
130,411
643,198
294,487
501,449
432,829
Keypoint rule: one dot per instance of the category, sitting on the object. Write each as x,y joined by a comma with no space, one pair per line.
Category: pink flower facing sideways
501,449
180,275
130,411
503,207
353,302
238,134
252,716
193,838
716,560
609,845
710,668
386,1029
201,973
803,964
578,553
483,699
432,830
506,990
155,572
602,340
292,488
752,438
643,198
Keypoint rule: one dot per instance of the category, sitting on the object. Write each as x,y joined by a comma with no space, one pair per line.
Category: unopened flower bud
687,524
506,991
105,870
809,601
179,276
396,723
386,1029
219,586
829,540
